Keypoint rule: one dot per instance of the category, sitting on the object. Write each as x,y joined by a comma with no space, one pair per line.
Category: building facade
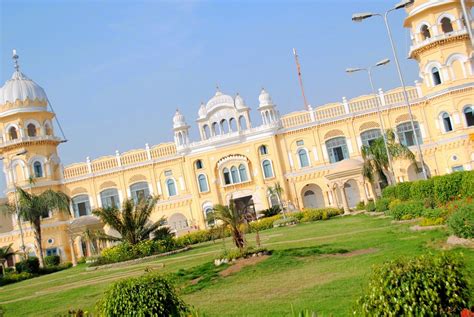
314,154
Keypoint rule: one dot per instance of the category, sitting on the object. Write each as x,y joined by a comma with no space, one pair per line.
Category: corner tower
28,145
440,43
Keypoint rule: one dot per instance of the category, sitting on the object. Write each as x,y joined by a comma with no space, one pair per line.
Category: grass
299,274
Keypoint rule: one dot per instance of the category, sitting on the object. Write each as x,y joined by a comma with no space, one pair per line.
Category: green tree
132,222
33,208
5,253
231,217
376,162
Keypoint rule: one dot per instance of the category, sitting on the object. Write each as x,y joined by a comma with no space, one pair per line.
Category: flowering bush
461,219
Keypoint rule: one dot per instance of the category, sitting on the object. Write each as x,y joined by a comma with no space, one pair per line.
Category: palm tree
5,253
132,222
33,208
376,162
231,217
278,191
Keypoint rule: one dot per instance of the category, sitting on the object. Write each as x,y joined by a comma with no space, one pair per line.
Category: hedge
461,220
407,210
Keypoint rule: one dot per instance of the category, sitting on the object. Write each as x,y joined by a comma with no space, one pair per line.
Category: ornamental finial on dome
239,102
178,119
15,58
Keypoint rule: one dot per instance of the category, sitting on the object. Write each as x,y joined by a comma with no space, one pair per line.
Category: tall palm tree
376,162
231,217
5,253
132,222
33,208
278,191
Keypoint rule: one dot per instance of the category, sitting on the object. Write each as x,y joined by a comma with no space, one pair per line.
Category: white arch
420,25
428,71
271,167
457,57
47,123
13,164
307,155
446,15
175,186
33,121
199,185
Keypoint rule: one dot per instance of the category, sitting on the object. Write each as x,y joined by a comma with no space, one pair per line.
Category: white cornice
23,110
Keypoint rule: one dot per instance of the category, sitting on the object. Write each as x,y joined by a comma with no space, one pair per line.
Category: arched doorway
352,193
414,171
178,222
312,196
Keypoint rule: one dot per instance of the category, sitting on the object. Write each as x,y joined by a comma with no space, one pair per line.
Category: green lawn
328,285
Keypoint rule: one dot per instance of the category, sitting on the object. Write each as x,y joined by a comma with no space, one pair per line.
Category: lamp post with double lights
378,104
17,209
359,17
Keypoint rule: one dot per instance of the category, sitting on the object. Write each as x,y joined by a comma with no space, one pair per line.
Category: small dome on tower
20,87
265,99
239,102
178,120
202,110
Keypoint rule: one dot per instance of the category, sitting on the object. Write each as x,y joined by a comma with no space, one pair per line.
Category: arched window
13,133
235,175
208,214
243,173
199,164
447,125
436,76
224,126
180,138
406,135
215,129
303,158
110,198
47,129
206,132
38,169
202,181
139,191
171,186
337,149
226,174
267,169
263,149
232,125
469,115
242,123
425,32
446,25
31,129
81,205
368,137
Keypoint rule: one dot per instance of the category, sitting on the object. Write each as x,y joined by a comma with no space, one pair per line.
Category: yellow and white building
314,154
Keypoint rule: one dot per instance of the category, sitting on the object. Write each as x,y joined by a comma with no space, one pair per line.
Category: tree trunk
238,239
37,231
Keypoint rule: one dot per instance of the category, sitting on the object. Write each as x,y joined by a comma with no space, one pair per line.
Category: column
73,253
364,192
345,204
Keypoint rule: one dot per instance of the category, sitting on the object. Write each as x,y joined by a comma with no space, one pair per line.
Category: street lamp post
359,17
17,210
378,104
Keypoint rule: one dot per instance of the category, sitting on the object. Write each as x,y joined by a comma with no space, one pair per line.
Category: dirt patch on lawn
426,228
241,263
353,253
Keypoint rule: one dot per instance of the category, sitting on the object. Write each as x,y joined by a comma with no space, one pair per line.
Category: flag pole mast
298,68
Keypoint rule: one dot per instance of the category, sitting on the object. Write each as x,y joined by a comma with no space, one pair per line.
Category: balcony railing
4,143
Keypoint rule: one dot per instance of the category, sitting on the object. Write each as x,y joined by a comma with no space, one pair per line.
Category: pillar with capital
345,204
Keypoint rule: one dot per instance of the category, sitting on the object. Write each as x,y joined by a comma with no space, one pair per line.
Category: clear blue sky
115,71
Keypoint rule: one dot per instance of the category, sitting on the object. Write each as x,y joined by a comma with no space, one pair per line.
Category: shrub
15,277
55,268
416,287
382,204
434,213
52,260
461,221
272,211
314,214
30,265
147,295
421,189
360,205
431,222
407,210
394,203
285,221
370,206
403,190
263,224
447,187
389,192
467,184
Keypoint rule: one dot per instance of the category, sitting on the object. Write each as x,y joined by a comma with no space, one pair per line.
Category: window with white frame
446,25
337,149
31,129
368,137
171,186
446,121
139,191
435,74
208,214
198,164
425,32
406,135
469,115
202,182
267,169
263,150
226,174
38,169
110,198
458,168
13,133
243,173
81,205
234,174
303,157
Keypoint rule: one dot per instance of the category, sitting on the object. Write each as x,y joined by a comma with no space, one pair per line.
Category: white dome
178,120
219,99
239,102
20,87
202,111
265,99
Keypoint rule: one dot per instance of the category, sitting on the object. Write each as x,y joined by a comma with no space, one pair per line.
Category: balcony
434,39
25,139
